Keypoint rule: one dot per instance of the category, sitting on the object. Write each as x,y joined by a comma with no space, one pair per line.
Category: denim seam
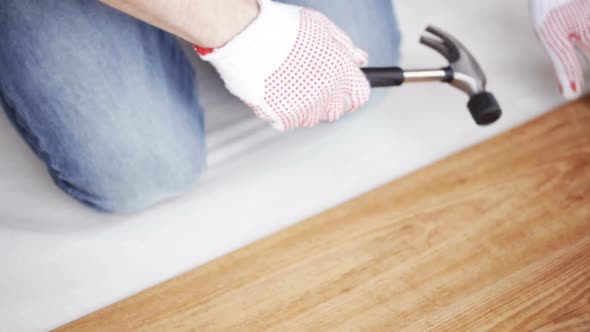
24,129
39,150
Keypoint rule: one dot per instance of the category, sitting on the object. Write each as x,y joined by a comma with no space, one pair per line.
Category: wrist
224,22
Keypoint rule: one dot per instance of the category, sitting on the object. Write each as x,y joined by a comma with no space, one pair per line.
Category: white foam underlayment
59,261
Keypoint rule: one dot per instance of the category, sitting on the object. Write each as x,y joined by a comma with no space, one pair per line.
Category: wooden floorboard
496,238
575,321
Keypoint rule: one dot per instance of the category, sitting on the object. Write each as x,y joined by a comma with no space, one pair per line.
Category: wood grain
494,238
575,321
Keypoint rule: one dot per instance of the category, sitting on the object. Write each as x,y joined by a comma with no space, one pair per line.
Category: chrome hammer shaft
395,76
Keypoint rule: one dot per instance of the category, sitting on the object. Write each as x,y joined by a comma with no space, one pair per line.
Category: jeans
108,102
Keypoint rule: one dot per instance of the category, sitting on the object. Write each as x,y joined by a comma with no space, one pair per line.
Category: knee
131,185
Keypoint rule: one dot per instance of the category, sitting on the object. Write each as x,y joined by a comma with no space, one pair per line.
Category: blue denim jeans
108,103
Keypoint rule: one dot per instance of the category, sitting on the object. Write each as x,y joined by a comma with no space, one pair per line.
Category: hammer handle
395,76
386,76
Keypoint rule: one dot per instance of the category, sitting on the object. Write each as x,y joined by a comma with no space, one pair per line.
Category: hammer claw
435,45
440,34
451,44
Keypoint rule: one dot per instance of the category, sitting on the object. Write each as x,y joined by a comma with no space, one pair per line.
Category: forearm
207,23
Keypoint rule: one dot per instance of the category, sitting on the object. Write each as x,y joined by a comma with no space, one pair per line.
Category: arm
207,23
292,65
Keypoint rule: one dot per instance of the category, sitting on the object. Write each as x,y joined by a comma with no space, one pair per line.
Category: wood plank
494,238
576,321
524,300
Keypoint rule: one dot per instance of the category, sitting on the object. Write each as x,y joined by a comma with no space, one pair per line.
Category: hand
563,26
293,67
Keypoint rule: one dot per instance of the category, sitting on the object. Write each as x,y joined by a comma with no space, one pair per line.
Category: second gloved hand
293,67
563,26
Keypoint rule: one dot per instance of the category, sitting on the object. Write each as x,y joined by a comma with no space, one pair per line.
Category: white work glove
563,26
293,67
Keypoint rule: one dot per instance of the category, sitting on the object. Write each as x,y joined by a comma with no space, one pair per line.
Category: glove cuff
275,27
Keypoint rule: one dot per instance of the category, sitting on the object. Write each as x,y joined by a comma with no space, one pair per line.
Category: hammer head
466,74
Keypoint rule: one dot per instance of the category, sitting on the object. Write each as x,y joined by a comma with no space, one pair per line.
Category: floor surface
496,238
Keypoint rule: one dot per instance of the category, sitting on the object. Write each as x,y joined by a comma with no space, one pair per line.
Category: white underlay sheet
59,261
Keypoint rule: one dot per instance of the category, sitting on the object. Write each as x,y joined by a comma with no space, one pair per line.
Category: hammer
463,72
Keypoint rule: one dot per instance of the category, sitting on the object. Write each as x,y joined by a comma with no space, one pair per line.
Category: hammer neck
429,75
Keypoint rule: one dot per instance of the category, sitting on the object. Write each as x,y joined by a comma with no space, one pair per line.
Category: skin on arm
207,23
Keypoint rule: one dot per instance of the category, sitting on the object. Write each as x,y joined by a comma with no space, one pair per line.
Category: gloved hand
293,67
564,26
